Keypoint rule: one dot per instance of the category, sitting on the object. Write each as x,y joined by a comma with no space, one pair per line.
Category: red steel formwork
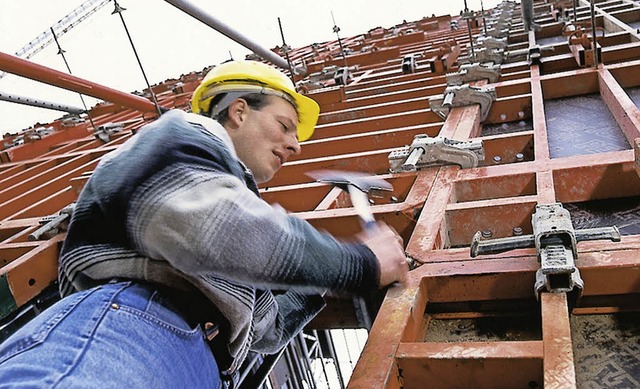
459,321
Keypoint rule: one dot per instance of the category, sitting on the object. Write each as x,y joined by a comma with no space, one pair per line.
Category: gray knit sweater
175,207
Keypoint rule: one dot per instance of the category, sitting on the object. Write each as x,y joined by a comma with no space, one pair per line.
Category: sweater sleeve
203,221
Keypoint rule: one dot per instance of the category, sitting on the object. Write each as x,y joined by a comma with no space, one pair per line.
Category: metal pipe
413,159
318,351
259,377
229,32
466,16
285,50
306,360
40,103
526,9
334,355
24,68
484,21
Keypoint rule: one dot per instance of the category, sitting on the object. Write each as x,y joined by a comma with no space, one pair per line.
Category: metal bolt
503,117
519,157
487,234
517,231
520,114
394,199
497,159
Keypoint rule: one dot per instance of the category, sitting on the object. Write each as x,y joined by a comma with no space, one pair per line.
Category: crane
65,24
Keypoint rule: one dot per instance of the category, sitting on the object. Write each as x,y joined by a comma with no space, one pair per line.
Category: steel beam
559,369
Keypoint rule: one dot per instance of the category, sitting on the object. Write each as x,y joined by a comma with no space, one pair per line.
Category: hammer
357,185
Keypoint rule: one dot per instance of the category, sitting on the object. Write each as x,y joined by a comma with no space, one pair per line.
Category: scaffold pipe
198,13
27,69
13,98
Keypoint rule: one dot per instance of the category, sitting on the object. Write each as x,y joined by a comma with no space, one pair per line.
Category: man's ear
237,111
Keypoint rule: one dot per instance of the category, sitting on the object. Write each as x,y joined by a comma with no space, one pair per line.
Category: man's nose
293,145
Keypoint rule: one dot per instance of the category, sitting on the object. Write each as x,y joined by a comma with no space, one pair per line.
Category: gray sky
171,43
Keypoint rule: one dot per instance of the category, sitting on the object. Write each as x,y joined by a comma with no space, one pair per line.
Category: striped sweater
175,207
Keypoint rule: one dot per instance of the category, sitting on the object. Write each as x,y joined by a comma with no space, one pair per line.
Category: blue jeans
118,335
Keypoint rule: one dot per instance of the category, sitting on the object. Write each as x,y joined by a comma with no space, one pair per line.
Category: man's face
264,139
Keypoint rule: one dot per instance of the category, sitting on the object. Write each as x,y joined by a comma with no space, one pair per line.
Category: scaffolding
553,111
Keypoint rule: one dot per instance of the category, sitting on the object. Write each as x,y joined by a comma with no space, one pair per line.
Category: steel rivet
517,231
497,159
487,234
519,157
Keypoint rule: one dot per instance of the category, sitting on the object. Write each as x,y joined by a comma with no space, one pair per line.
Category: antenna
336,29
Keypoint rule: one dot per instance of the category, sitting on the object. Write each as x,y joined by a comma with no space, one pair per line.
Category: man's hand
386,244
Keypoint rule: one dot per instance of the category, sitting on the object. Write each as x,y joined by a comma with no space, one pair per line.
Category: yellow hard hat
252,76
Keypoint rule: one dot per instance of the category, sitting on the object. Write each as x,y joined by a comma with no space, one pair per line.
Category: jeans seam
99,318
151,319
42,335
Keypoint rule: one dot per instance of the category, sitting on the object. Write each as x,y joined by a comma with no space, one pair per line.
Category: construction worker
173,268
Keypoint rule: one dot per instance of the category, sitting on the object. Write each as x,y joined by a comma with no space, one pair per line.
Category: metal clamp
342,76
409,63
489,42
426,151
53,224
498,31
105,131
556,242
462,96
474,72
483,55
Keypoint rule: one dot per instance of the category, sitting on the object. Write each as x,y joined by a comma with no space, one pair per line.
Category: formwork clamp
462,96
409,63
489,42
53,224
474,72
105,131
556,242
426,151
484,55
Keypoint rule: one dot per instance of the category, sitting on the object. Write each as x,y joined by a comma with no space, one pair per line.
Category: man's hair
256,101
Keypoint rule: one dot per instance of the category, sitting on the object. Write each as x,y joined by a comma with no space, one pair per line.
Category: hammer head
343,179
